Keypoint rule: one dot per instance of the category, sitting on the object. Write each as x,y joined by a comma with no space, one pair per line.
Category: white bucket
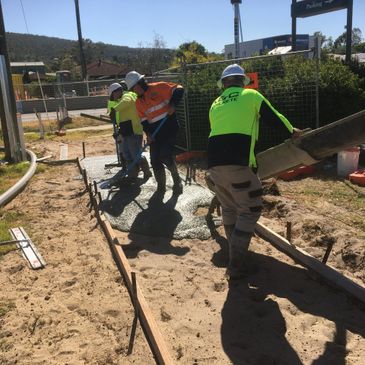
348,161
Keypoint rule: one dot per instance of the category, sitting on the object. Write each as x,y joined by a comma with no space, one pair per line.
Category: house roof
26,64
103,68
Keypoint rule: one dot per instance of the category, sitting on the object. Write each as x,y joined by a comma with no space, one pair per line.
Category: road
72,113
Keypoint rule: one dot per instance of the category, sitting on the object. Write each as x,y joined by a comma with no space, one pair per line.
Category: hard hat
132,78
234,70
113,87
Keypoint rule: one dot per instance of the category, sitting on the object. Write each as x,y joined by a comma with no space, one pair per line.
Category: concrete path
136,208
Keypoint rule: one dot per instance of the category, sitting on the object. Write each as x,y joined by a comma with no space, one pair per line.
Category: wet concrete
137,208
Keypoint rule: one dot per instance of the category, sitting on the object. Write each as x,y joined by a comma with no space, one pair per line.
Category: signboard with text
305,8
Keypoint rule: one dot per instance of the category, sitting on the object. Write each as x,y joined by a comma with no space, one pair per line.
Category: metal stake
136,314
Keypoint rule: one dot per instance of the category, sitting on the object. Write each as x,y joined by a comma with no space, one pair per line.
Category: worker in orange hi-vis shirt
155,102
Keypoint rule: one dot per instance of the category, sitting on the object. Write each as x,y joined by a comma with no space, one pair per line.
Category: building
264,45
105,70
20,68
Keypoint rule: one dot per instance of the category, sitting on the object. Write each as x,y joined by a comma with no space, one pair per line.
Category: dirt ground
77,310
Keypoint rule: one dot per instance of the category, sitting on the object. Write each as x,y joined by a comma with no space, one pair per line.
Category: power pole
236,26
12,132
82,57
349,31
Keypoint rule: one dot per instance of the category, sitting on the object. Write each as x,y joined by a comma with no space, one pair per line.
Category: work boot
160,176
143,164
238,266
177,187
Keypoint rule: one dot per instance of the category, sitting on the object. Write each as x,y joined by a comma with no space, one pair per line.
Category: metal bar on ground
103,119
29,251
333,277
327,253
5,243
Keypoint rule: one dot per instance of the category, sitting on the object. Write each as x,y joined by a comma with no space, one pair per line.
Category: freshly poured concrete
136,208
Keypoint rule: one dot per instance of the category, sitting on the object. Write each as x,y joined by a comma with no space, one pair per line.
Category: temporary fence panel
288,82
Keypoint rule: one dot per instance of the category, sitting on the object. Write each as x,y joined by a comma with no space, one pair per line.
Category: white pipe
20,185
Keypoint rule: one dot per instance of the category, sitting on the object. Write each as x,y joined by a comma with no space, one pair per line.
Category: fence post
318,59
186,105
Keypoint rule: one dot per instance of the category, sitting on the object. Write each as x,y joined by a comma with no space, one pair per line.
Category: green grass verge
72,136
11,173
10,219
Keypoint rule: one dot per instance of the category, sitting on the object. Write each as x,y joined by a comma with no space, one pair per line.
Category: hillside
55,51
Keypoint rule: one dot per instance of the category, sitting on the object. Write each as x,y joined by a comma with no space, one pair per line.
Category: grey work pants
239,191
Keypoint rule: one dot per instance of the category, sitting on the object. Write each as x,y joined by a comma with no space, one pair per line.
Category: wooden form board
148,322
332,276
150,328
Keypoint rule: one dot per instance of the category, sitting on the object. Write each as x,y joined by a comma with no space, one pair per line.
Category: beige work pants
239,191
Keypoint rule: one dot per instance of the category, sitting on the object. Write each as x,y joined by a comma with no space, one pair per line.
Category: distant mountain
54,52
28,47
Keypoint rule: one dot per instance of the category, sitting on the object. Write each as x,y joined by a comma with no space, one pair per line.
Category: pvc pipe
20,185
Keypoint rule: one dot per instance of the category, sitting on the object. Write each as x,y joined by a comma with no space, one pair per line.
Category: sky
136,23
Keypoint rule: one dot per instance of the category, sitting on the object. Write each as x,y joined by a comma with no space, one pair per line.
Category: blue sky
135,22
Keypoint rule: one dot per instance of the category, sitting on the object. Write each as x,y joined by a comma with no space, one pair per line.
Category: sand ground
78,311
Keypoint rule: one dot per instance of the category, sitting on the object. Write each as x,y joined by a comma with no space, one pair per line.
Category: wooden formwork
145,316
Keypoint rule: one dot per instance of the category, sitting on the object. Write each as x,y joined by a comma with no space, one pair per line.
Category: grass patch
11,173
83,135
10,219
337,193
72,136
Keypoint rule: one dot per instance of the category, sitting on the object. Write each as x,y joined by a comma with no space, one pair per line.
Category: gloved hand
112,114
297,132
149,138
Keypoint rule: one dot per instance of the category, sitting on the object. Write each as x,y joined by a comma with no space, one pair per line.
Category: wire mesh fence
59,90
289,83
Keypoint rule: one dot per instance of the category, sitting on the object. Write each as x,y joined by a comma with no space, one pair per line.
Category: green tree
339,45
191,52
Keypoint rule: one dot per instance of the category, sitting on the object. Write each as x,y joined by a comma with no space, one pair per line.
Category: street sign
305,8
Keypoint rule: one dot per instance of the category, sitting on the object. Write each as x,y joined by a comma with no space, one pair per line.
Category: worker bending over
234,120
155,102
131,133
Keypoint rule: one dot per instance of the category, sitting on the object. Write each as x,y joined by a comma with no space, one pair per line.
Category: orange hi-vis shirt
153,105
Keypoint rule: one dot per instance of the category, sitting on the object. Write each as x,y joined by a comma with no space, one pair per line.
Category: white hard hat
132,78
234,70
113,87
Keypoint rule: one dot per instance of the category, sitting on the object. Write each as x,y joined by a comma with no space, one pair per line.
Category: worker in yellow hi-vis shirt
234,120
131,133
115,91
